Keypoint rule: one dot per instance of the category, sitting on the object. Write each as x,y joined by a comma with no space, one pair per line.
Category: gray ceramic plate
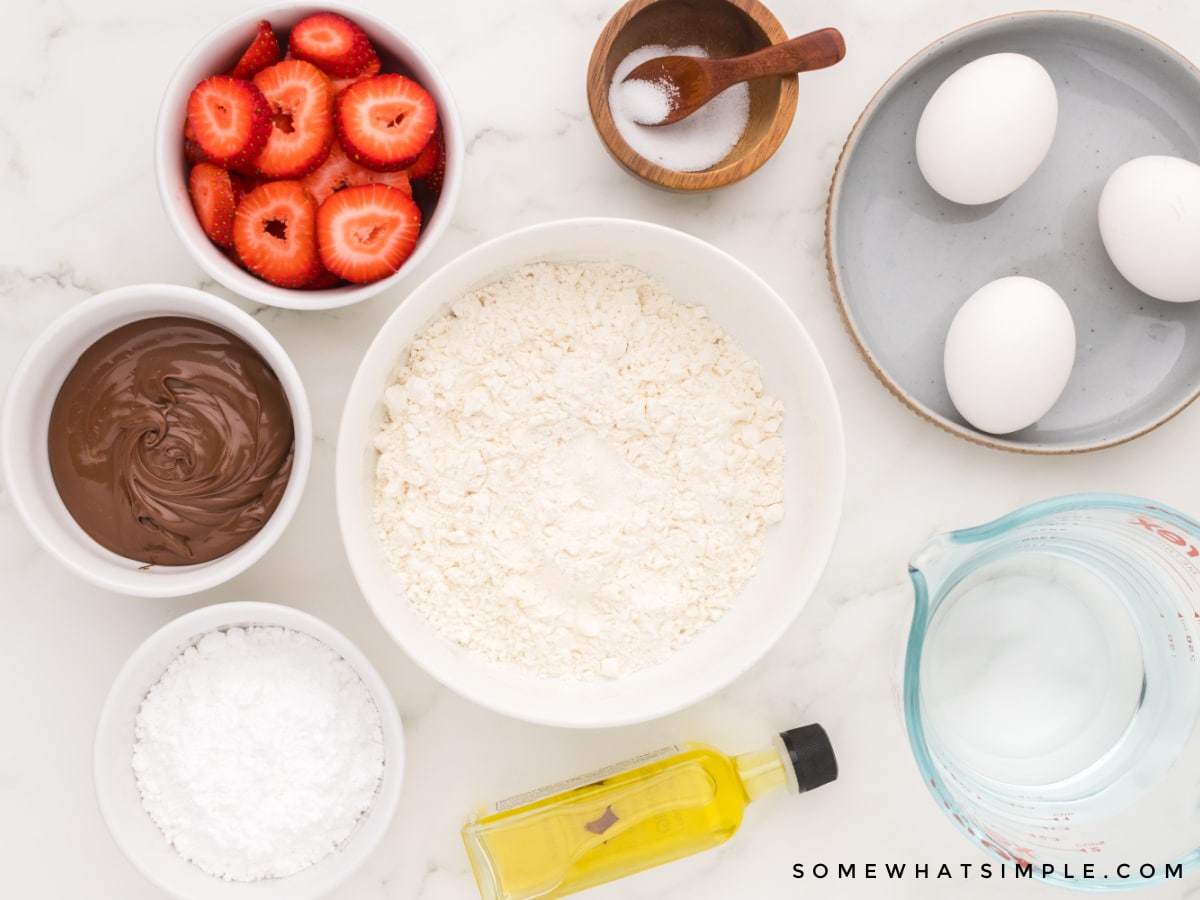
902,259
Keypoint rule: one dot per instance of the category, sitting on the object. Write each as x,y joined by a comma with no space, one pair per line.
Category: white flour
576,471
257,752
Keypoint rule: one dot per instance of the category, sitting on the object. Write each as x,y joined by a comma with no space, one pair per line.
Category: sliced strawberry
427,159
366,232
214,199
193,153
339,172
437,177
340,84
274,233
322,280
231,255
243,184
230,119
385,121
262,52
301,104
333,43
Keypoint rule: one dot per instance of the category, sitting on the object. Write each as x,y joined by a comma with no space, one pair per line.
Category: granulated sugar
693,144
576,471
257,752
648,102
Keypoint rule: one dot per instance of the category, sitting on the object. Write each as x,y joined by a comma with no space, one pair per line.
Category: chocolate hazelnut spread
171,441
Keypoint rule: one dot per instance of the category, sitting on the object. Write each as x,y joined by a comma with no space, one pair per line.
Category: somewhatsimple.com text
962,871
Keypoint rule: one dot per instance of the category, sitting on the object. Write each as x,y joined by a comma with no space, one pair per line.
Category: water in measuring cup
1031,671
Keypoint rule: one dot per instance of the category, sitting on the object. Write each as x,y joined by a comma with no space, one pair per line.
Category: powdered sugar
257,752
698,142
576,471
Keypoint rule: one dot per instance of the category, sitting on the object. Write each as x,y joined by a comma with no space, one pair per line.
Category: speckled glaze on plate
902,259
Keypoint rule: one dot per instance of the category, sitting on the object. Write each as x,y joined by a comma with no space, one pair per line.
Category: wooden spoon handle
814,50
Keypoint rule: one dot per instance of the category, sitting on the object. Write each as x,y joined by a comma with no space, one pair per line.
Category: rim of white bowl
181,632
173,195
109,310
584,716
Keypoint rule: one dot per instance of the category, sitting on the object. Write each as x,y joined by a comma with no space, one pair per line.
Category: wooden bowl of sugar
724,141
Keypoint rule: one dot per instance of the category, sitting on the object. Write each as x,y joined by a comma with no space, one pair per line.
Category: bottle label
570,784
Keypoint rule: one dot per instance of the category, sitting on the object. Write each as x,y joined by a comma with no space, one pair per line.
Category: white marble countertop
81,86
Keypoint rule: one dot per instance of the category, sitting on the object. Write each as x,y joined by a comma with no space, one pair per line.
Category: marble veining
79,91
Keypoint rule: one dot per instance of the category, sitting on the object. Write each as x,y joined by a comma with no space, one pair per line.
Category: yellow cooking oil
658,807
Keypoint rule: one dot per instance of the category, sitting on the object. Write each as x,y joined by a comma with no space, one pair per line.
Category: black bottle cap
812,756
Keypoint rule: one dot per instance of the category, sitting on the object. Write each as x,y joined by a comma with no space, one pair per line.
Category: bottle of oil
634,815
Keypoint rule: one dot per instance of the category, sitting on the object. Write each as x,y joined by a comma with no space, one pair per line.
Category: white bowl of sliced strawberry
308,156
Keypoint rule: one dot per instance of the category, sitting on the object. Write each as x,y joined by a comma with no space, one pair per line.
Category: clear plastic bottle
641,813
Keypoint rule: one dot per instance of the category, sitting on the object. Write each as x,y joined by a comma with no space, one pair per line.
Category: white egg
987,128
1150,223
1009,353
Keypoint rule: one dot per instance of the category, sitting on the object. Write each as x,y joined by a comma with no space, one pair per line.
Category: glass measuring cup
1052,691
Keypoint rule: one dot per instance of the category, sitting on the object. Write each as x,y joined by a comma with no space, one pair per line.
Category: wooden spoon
688,82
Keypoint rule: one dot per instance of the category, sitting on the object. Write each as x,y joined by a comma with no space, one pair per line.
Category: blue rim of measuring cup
912,667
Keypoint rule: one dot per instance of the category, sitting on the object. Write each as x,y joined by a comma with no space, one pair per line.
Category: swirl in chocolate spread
171,441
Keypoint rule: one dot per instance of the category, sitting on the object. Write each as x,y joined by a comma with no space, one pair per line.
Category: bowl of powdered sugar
248,750
589,472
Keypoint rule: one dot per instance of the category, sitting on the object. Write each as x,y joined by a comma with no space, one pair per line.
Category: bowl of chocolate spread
156,439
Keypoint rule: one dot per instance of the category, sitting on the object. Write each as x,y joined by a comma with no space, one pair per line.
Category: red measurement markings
1166,535
1190,551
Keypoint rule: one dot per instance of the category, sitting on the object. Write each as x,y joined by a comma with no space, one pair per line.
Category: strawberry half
300,99
262,52
230,120
385,121
274,234
214,198
339,172
366,232
332,43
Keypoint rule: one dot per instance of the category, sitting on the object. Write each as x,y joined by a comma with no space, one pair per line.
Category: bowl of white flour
248,751
589,472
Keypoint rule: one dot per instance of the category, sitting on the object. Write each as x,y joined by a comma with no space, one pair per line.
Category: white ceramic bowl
217,52
796,548
116,786
24,429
